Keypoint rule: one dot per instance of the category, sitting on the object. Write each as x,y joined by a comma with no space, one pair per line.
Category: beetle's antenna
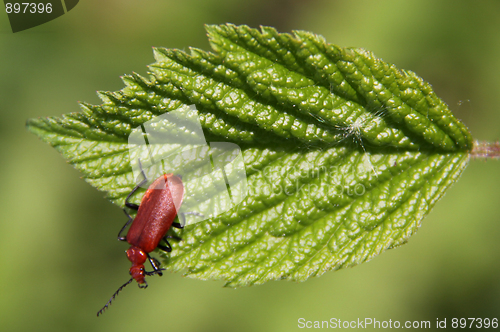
113,297
123,286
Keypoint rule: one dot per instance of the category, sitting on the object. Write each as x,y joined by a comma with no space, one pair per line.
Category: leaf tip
29,124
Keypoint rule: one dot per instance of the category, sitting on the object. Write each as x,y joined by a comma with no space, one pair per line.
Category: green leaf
345,154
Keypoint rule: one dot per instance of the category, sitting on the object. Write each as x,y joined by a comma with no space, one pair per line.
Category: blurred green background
58,251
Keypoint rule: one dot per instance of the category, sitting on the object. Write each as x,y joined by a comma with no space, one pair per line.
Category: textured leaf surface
344,153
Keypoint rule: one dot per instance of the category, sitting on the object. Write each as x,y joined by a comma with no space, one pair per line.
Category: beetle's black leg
177,225
152,273
166,237
182,218
120,237
167,248
155,264
132,205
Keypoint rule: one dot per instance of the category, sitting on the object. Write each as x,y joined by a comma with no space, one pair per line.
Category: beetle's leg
181,224
155,264
166,237
152,273
177,225
182,218
132,205
167,248
120,237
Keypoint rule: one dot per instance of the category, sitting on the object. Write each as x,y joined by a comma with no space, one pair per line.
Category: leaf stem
486,150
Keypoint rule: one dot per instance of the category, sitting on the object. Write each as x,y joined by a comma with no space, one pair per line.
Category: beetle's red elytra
155,216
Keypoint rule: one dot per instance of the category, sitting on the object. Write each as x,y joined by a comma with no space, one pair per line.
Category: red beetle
155,216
